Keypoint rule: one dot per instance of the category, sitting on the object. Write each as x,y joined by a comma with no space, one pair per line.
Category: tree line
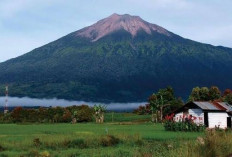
71,114
210,94
74,114
164,101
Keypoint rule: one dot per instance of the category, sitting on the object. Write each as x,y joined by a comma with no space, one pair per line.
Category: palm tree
157,106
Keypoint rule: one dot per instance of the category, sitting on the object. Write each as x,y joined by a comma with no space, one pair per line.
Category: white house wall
178,117
197,113
217,119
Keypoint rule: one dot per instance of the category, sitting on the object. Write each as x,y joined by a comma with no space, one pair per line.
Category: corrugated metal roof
219,106
206,105
226,105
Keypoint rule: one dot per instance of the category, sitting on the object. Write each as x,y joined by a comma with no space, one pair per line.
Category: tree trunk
153,117
161,114
156,116
102,118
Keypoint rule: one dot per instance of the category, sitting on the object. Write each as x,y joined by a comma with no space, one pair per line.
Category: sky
28,24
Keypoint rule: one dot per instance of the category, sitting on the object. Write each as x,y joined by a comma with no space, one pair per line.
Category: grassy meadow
121,136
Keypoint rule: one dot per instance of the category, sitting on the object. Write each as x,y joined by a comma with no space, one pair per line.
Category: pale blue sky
27,24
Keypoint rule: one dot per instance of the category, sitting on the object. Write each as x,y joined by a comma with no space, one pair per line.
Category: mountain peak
115,22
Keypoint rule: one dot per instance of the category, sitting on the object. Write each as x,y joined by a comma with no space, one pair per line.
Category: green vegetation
126,117
187,125
64,140
116,68
111,139
75,114
123,134
99,113
162,103
210,94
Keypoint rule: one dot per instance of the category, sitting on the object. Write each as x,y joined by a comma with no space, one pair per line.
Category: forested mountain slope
120,58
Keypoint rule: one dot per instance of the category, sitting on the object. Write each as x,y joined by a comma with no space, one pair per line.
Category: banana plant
99,112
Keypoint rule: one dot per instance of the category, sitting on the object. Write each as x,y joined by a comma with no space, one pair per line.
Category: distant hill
120,58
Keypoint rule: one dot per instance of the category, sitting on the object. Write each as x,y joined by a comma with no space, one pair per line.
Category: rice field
90,139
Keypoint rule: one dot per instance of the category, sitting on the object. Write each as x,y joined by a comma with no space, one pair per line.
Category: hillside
120,58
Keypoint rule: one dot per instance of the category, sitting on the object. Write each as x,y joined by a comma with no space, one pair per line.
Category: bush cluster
186,124
81,113
36,153
109,140
2,148
215,143
183,126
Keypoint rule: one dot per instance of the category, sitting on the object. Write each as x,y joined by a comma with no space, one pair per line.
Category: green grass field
122,134
126,117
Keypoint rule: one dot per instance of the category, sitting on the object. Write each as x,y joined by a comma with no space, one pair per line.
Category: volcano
121,58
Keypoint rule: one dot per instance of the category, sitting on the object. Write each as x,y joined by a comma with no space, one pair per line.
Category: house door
206,119
228,122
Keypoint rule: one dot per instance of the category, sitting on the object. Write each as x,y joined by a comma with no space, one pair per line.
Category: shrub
45,154
74,155
143,110
77,143
2,148
33,153
67,116
187,125
18,114
36,142
183,126
215,143
109,140
84,114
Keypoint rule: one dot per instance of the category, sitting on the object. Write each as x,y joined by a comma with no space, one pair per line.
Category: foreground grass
110,139
146,131
123,135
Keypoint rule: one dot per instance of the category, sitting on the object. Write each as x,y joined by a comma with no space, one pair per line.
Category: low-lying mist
25,101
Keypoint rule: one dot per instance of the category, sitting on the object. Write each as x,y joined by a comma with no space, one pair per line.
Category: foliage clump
109,140
185,125
37,142
160,104
214,143
78,143
99,113
81,113
2,148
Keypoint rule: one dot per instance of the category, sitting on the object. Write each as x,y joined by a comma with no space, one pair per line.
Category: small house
210,114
